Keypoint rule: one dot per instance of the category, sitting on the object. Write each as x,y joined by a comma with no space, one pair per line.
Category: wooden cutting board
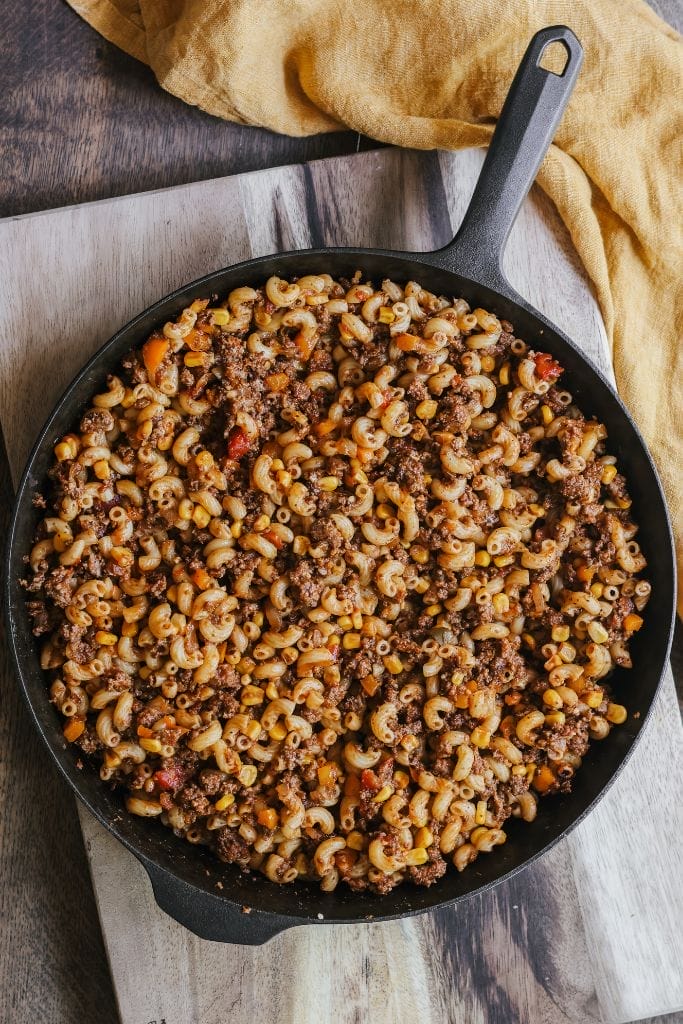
591,932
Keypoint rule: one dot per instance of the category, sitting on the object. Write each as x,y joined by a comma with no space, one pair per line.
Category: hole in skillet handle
555,58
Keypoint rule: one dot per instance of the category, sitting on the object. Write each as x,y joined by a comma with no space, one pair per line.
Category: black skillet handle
525,129
211,917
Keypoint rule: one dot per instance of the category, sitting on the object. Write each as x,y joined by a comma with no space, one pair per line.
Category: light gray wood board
590,932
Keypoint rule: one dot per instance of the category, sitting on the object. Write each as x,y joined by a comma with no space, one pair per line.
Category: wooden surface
79,120
585,935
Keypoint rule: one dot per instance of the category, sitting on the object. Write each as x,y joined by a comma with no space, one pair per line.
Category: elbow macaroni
326,568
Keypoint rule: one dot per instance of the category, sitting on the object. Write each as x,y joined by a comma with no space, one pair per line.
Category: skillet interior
181,873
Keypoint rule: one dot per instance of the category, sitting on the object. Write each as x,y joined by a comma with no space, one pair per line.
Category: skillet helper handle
525,129
210,917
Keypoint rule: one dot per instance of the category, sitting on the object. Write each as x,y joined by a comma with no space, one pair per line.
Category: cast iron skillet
184,877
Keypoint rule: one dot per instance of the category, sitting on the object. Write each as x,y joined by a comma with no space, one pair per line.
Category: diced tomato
369,780
170,778
388,398
546,367
238,444
273,538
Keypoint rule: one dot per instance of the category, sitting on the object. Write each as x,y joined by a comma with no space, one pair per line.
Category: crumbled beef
305,583
42,621
97,419
231,848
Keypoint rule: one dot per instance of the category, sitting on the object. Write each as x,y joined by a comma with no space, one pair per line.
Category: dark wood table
79,121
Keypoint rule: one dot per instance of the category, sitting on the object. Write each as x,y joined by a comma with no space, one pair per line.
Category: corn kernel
419,554
427,409
393,664
386,315
268,817
538,510
277,464
106,639
480,737
488,363
73,728
608,474
185,509
112,759
219,317
529,641
433,609
145,672
224,802
424,837
101,469
632,623
236,529
421,585
272,692
252,729
152,746
247,774
504,374
328,483
194,359
355,840
597,632
482,558
501,603
502,560
129,629
547,414
204,460
560,633
594,699
555,718
251,696
417,856
480,813
351,641
357,620
383,795
401,780
552,699
261,523
518,769
278,732
596,589
616,714
623,503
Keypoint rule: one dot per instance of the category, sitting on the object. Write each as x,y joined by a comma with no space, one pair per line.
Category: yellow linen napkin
429,74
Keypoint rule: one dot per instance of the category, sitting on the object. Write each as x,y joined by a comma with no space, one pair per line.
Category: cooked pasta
331,580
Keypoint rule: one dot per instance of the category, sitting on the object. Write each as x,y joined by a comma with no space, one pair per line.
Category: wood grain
81,120
586,934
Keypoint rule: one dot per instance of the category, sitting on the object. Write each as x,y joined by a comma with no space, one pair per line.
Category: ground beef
306,584
42,620
231,848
